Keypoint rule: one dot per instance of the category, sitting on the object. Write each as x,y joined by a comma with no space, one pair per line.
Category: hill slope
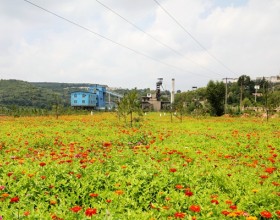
37,95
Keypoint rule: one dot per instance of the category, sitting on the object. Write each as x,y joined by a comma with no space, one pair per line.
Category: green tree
128,105
180,109
215,93
57,106
274,99
246,87
246,102
190,101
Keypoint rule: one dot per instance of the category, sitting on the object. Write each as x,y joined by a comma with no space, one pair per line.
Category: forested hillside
20,93
41,95
37,95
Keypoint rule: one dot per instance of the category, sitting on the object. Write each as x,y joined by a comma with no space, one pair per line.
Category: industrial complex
96,95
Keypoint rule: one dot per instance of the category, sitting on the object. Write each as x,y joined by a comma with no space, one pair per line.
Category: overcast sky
192,41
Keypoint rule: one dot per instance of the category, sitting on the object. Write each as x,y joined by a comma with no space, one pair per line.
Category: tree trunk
130,119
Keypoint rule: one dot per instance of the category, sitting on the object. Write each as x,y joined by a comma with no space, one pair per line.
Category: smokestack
173,91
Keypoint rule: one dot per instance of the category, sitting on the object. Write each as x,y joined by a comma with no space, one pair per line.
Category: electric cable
152,37
188,33
112,41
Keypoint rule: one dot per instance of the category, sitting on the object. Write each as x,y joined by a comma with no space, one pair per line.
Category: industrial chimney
173,91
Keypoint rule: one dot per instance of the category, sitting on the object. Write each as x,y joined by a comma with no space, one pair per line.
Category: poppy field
96,167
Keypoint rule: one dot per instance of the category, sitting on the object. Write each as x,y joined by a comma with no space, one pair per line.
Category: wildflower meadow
96,167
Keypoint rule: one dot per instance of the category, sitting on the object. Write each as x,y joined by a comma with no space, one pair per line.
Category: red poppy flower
179,215
179,186
225,212
14,200
90,212
93,194
263,176
173,170
27,213
107,144
55,217
233,207
266,214
215,201
194,208
42,164
76,209
270,169
228,202
188,193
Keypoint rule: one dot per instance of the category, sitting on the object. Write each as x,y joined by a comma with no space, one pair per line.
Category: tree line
216,99
219,98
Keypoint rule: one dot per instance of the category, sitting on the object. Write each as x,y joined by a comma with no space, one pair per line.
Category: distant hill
43,95
36,94
39,94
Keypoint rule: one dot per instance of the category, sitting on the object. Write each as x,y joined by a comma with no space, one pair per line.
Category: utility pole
227,91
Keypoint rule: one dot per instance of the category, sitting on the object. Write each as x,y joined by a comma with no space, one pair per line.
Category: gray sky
36,46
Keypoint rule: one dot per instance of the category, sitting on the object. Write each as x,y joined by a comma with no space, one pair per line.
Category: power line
152,37
187,32
108,39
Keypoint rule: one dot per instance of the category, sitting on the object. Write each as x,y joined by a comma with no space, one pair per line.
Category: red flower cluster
233,207
14,200
76,209
179,186
225,212
188,193
215,201
194,208
270,170
42,164
90,212
179,215
93,194
266,214
107,144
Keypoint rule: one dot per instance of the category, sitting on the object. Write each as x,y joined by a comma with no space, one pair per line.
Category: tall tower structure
159,84
173,91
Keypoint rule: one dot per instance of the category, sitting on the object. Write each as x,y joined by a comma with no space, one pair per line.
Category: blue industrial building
94,98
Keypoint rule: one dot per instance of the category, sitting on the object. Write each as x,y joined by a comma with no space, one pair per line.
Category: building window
84,95
83,101
75,95
75,101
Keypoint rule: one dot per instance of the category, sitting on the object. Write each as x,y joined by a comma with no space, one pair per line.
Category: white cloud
38,46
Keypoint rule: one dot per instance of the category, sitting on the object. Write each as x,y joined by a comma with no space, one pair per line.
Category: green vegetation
241,98
95,167
21,98
128,106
